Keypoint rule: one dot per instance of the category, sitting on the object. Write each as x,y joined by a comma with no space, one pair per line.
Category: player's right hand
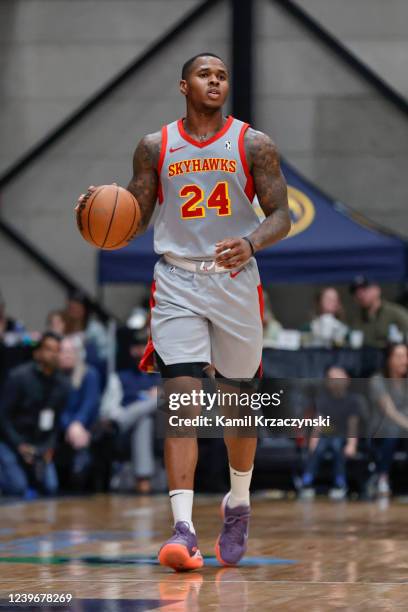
85,196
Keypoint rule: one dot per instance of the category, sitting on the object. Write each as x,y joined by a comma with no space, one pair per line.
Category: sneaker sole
176,556
219,558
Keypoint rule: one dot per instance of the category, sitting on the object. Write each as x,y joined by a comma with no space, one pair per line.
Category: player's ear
183,87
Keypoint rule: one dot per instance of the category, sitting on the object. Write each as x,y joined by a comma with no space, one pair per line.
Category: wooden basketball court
313,555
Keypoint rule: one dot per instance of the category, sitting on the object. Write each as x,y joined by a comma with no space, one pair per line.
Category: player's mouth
213,93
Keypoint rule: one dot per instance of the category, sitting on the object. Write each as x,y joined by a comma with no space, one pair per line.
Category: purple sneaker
232,542
181,552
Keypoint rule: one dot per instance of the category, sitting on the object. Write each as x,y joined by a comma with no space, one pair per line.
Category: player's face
207,83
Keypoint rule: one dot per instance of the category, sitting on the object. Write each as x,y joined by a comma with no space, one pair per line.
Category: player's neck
203,126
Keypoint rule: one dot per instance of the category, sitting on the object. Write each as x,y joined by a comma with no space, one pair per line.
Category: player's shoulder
258,145
148,149
152,141
256,138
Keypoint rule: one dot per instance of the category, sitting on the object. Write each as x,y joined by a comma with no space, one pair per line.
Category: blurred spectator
56,322
380,321
334,400
271,326
328,327
30,405
79,414
129,402
79,321
389,391
7,324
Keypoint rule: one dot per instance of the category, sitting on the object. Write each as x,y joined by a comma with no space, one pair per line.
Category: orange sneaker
181,552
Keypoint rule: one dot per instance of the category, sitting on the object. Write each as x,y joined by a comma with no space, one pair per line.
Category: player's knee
242,384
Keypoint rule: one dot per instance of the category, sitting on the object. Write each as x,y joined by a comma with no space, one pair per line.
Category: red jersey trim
249,187
161,161
205,143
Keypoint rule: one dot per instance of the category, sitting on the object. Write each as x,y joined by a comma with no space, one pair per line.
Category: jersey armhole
249,187
163,149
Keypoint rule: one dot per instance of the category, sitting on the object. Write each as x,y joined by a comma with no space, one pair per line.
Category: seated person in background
7,324
30,404
380,321
130,402
78,321
389,392
334,400
327,326
56,322
79,414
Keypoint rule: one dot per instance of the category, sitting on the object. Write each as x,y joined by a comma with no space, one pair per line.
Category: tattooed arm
270,187
144,182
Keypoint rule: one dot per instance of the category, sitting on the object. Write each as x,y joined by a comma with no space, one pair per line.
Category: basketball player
204,171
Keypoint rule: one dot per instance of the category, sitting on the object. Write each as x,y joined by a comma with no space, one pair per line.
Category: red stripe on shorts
261,313
146,364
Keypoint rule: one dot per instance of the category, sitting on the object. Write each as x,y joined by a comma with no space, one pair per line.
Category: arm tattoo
145,180
270,187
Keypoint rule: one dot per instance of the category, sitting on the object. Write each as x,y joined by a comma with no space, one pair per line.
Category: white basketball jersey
205,191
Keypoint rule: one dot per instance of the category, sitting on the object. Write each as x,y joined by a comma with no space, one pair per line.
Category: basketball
109,218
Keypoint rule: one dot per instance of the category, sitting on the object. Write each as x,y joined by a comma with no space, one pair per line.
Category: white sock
240,482
182,506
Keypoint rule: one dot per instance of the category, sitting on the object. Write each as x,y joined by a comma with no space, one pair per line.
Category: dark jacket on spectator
26,393
339,409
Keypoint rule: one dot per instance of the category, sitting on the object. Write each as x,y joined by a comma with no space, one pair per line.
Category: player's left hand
232,252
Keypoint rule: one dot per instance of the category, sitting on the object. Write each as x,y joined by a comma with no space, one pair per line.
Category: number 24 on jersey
218,199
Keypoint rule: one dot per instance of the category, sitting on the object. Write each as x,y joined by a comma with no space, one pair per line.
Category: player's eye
203,74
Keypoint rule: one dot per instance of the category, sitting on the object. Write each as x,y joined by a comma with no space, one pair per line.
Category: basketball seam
89,213
111,219
131,226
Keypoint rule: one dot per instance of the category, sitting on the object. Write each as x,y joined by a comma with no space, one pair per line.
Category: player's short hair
188,64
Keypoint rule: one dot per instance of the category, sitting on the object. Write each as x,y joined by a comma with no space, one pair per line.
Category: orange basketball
109,218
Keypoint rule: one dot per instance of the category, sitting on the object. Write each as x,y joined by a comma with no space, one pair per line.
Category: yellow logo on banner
302,211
